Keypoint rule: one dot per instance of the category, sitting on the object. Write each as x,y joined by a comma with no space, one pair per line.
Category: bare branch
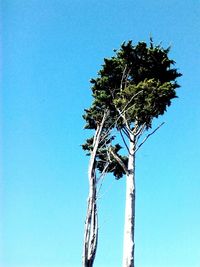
124,141
119,161
140,130
102,176
125,109
126,132
108,189
121,115
103,173
145,139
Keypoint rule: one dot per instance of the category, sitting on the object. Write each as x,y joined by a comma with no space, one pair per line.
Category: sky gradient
50,50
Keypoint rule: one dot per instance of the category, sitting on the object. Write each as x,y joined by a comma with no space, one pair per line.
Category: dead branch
119,161
145,139
124,141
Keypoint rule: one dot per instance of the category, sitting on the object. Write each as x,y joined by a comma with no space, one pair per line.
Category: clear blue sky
50,50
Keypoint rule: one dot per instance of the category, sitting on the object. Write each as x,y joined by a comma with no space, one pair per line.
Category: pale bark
91,226
91,222
129,226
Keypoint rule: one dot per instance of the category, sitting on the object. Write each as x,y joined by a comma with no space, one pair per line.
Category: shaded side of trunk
129,226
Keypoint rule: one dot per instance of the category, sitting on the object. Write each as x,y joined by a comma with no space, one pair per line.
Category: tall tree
133,87
91,223
99,119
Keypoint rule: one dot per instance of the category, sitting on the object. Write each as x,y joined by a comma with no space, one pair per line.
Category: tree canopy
134,86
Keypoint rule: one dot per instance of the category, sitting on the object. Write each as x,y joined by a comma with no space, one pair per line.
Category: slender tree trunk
129,227
91,222
91,225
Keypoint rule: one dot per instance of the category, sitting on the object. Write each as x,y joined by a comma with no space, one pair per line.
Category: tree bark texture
129,226
91,222
91,226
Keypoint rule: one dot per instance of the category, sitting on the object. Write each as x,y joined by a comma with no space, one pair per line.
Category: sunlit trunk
129,226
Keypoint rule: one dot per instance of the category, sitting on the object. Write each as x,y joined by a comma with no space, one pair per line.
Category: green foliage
150,99
140,81
114,167
103,156
132,69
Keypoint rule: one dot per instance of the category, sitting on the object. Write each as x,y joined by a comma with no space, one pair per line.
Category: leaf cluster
151,100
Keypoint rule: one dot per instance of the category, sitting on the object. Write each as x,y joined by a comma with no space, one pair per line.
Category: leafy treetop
140,81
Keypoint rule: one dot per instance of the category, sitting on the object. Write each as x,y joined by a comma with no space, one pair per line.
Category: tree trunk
129,226
91,222
91,226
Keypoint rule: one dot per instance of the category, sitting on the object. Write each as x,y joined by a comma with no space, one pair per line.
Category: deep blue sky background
50,50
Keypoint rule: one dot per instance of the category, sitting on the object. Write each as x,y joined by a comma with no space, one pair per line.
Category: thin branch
103,173
121,115
124,141
103,140
124,109
124,79
108,189
145,139
102,176
126,132
140,130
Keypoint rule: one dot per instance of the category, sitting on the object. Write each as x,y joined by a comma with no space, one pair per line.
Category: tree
100,163
132,88
91,223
